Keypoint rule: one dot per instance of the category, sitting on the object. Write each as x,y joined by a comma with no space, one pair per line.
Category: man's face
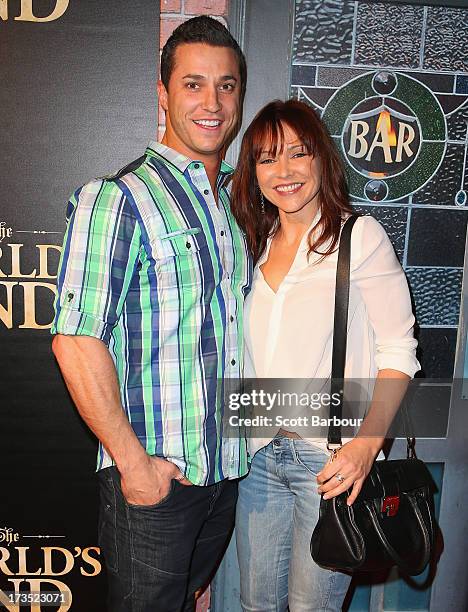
202,101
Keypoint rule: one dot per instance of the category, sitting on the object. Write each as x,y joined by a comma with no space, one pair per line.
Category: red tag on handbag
391,504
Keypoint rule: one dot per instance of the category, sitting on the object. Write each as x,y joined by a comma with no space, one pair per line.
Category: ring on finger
339,477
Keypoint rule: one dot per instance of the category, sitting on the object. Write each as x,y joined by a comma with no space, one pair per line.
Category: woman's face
290,179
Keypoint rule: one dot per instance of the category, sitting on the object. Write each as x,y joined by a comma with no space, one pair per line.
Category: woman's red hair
266,131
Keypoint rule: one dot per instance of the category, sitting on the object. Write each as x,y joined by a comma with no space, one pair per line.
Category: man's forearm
90,376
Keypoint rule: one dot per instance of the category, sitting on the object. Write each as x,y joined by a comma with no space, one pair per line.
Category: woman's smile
289,188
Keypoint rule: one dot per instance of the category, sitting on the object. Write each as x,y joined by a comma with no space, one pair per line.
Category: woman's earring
262,203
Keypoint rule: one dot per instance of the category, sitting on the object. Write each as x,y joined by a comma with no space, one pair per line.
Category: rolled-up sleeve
379,277
99,256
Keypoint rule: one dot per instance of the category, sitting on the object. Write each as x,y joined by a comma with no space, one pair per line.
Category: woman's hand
354,460
349,468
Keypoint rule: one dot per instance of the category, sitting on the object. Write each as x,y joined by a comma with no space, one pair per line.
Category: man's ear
162,95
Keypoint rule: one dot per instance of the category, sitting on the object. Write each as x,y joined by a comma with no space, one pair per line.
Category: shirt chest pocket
178,259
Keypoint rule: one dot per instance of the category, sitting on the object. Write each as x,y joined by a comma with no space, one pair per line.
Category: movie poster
78,100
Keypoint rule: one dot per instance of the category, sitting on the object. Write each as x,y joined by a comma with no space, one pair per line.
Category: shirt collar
181,162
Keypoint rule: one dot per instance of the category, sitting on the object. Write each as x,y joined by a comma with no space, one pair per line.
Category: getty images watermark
261,400
258,408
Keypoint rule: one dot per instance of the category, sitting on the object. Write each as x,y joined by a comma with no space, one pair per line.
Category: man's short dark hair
205,30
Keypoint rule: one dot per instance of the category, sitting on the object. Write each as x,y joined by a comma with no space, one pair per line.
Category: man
149,320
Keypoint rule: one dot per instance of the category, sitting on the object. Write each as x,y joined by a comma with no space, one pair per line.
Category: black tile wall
450,103
303,75
388,34
462,84
436,294
429,240
336,76
443,187
441,83
457,123
394,220
323,31
313,95
437,237
446,39
436,351
428,410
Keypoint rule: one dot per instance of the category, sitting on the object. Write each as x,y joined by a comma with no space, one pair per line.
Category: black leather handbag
391,521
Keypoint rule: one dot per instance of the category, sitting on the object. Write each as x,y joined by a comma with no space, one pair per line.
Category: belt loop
292,443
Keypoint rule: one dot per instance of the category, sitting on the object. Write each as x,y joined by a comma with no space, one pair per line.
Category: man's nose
211,101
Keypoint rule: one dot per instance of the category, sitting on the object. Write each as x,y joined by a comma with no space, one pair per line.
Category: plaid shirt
156,270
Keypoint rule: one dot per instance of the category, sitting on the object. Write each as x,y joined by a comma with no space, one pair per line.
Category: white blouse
288,334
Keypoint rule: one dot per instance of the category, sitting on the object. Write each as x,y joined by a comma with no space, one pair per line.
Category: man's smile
208,124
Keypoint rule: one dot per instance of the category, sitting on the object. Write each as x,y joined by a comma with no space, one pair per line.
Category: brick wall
174,12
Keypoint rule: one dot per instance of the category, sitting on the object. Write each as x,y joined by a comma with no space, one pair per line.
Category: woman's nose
284,166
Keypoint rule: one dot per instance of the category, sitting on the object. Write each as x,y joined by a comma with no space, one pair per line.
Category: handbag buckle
390,505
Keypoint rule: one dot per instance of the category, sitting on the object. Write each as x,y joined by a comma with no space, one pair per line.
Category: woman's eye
301,154
266,161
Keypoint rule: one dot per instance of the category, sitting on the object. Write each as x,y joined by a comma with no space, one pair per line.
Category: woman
289,196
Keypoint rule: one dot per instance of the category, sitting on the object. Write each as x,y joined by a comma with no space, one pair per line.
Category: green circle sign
391,131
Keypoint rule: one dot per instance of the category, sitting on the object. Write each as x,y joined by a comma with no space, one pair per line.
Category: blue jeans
277,511
158,556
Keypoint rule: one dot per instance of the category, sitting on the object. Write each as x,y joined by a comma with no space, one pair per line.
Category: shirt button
222,233
276,442
233,362
206,191
188,245
196,166
231,318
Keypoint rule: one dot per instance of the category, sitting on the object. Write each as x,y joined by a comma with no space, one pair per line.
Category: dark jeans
158,556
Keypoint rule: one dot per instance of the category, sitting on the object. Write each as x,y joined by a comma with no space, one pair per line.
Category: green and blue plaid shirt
156,270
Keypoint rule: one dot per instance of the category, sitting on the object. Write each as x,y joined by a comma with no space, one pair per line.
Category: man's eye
192,85
227,87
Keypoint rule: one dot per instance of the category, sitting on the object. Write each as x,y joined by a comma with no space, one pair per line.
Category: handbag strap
340,336
340,328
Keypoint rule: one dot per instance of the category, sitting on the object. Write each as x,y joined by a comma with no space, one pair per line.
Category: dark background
77,100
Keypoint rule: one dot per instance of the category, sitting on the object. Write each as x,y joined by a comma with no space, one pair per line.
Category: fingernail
325,496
